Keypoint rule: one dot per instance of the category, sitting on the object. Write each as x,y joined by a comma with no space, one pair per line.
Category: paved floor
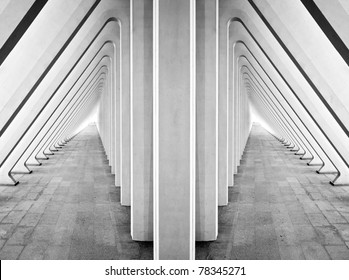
68,208
280,208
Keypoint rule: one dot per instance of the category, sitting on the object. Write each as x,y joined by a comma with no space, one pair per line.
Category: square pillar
174,129
125,111
142,120
206,120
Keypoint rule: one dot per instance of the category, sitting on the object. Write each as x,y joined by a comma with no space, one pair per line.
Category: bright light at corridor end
90,119
257,118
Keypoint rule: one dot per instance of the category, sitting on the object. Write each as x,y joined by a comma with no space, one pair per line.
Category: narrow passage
279,208
68,208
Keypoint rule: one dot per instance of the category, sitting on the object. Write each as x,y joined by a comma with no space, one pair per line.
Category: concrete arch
99,41
319,135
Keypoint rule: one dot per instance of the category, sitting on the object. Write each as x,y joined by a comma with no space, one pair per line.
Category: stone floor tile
324,205
267,251
30,219
291,252
317,219
286,235
57,252
334,217
328,235
238,253
346,216
343,206
299,218
32,196
243,235
3,215
314,251
23,205
305,233
49,218
316,196
338,252
10,252
14,217
34,251
343,230
64,229
43,233
6,230
310,207
38,206
20,236
2,242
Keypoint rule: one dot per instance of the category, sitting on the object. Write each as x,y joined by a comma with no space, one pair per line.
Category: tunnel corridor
174,130
68,208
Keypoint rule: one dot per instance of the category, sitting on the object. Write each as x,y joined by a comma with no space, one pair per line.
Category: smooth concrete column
108,124
223,109
113,124
174,129
206,120
235,124
141,120
231,133
125,112
117,114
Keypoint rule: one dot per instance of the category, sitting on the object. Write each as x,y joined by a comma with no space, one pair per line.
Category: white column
206,120
141,120
174,129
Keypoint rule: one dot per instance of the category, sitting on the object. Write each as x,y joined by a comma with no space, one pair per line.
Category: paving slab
338,252
10,252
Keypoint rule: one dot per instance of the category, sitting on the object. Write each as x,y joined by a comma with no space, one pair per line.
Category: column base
22,172
34,164
7,180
